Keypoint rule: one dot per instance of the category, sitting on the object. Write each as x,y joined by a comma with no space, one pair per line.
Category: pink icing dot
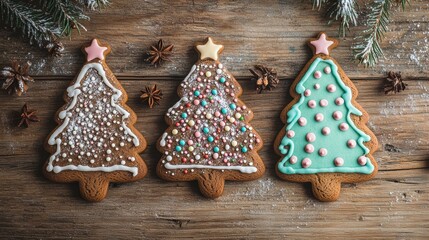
307,92
362,160
196,102
306,162
293,159
338,161
331,88
290,133
309,148
190,142
327,70
344,127
311,104
316,86
323,152
337,115
215,155
197,134
318,117
351,143
217,113
326,131
310,137
222,124
339,101
317,74
323,103
302,121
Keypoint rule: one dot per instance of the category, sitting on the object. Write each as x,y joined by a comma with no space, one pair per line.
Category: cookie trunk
326,188
94,189
211,184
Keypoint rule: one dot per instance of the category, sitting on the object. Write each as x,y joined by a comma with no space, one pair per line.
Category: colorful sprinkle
244,149
210,139
224,110
178,148
206,130
222,80
214,91
216,149
232,106
182,142
196,93
184,115
243,129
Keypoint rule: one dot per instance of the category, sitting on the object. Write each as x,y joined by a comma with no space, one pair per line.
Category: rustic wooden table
394,205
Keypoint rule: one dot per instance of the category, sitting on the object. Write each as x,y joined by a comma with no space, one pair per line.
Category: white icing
243,169
83,168
74,92
162,142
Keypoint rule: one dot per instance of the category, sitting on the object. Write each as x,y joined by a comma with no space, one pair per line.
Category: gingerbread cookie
326,140
209,139
95,142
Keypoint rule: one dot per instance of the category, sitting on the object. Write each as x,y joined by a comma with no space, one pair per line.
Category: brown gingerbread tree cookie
95,141
326,140
209,138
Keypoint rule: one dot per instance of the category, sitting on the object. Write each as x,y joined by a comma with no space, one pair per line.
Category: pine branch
403,3
345,11
367,49
318,3
65,13
94,4
30,21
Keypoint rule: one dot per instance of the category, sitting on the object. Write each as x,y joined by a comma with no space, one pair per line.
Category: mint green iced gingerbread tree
325,131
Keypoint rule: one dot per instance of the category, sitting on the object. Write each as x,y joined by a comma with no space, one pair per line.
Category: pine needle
345,11
65,13
30,21
367,49
94,4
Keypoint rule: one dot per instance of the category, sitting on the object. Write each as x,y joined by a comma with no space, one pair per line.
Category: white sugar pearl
109,151
108,159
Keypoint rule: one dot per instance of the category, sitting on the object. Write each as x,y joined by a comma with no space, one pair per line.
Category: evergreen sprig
94,4
344,11
367,49
65,13
45,21
30,21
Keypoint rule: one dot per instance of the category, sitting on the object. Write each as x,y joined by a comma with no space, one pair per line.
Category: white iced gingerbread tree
210,139
95,133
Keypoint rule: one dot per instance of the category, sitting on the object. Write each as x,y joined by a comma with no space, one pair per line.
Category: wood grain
392,206
272,32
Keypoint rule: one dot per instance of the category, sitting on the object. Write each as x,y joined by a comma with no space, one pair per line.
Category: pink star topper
322,45
95,51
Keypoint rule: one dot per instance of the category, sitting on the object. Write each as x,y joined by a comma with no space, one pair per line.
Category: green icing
336,141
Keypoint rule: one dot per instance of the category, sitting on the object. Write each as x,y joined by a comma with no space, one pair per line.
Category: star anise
394,83
152,95
27,116
16,78
266,78
158,54
55,48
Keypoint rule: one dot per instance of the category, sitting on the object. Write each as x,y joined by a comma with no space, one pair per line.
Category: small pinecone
55,48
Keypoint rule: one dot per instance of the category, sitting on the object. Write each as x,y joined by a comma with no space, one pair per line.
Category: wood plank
132,26
393,205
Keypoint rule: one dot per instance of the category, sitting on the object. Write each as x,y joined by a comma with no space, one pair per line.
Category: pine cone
394,83
16,78
266,78
55,48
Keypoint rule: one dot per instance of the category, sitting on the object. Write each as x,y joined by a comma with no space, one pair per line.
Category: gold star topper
209,49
